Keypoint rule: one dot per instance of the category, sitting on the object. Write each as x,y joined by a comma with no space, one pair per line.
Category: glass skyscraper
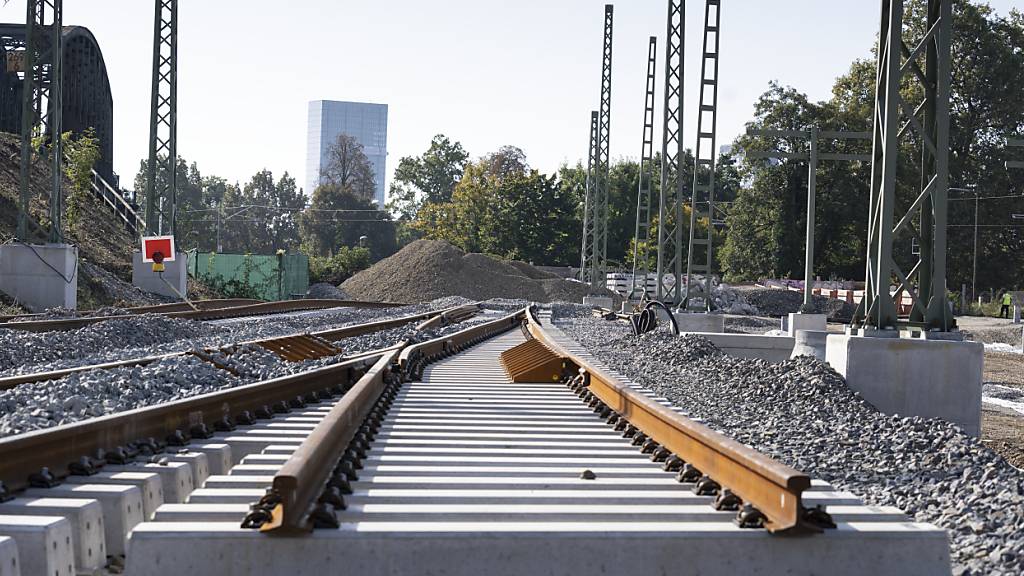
367,123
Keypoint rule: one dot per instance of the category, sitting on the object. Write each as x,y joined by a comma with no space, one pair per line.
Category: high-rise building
367,123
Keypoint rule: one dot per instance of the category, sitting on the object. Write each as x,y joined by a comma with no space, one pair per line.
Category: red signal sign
158,249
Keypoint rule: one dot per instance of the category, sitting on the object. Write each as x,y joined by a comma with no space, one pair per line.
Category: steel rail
333,334
768,485
160,308
55,448
300,482
261,308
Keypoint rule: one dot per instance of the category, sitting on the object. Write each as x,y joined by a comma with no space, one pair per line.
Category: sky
487,73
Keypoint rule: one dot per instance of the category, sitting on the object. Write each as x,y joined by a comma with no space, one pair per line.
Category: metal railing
124,209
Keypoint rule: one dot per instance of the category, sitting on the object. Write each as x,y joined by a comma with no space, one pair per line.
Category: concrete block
770,348
44,544
85,516
122,508
197,461
795,322
40,276
9,563
913,377
598,301
810,343
516,548
698,322
147,482
201,513
176,477
218,456
176,273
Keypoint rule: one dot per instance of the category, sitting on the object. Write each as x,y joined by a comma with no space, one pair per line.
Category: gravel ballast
151,335
95,393
802,413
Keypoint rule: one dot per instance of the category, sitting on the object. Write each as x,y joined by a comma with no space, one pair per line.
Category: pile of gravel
773,302
325,291
749,324
428,269
802,413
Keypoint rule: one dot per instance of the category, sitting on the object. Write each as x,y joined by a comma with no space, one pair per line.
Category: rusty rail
771,487
55,448
332,334
300,498
236,311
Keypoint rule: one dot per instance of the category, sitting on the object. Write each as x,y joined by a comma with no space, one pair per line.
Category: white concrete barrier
913,377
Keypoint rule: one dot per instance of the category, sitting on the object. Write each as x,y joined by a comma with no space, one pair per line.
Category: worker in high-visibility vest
1004,312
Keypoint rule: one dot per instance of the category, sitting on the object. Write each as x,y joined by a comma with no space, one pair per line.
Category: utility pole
595,242
812,156
670,207
42,109
974,266
923,64
642,236
703,193
588,253
162,176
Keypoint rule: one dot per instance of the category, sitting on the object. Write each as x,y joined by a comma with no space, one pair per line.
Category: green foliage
336,218
80,155
339,267
427,179
503,207
767,223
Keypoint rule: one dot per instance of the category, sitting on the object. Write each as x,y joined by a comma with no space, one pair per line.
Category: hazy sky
484,72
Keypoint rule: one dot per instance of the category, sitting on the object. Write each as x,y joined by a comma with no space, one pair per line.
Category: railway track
293,347
208,310
493,450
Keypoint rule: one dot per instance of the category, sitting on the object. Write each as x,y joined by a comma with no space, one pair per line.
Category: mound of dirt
429,269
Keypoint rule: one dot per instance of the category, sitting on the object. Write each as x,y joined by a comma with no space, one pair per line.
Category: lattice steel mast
587,254
701,255
670,207
604,129
42,108
925,122
642,235
162,178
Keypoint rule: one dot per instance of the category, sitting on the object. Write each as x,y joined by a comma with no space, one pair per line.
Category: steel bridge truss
899,126
642,235
162,177
41,113
701,254
595,243
670,206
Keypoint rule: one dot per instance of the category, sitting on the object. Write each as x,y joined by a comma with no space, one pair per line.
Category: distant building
367,123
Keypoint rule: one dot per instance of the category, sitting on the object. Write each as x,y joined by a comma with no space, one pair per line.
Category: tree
503,207
427,179
347,168
337,218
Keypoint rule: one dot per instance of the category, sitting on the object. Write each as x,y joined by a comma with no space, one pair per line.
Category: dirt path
1002,429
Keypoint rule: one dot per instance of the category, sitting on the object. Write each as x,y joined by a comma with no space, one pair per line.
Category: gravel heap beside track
151,335
802,413
428,269
98,392
325,291
774,302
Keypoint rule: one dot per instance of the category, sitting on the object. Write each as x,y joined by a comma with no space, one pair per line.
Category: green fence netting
252,276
